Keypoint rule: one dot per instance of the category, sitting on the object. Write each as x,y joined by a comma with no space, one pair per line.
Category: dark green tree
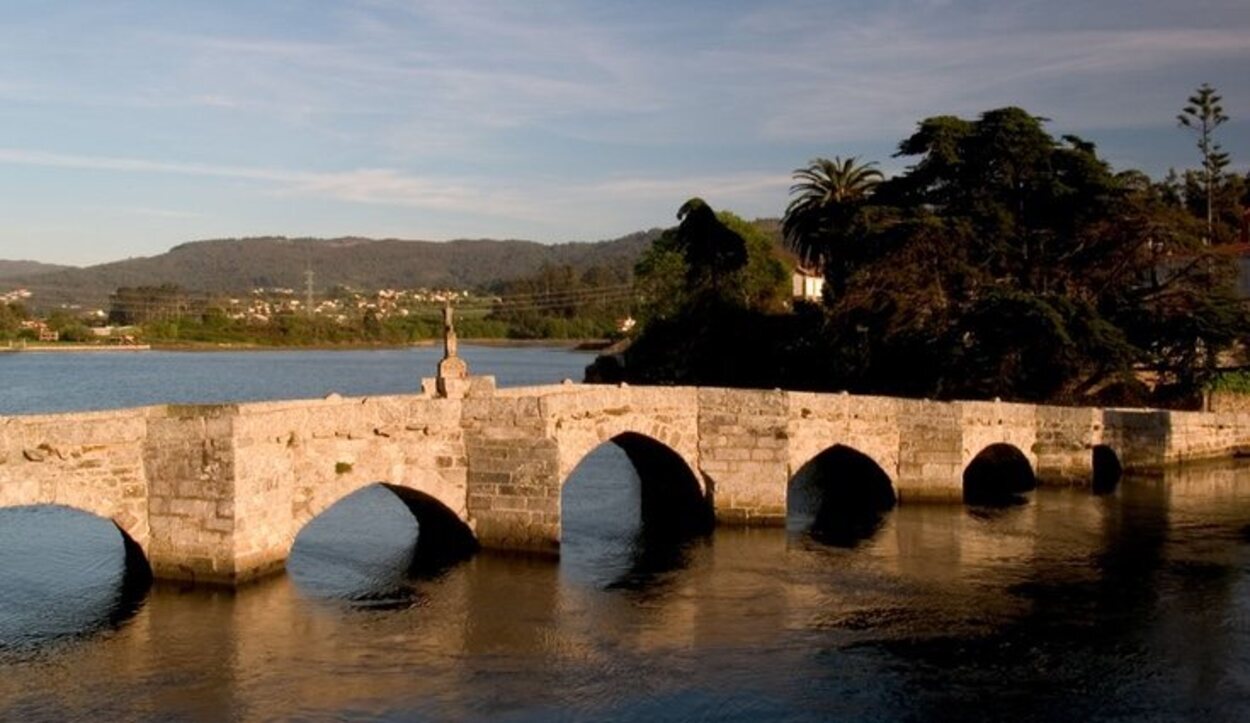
1003,262
711,249
1202,114
828,202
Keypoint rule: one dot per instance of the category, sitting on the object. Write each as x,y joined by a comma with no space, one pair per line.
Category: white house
808,285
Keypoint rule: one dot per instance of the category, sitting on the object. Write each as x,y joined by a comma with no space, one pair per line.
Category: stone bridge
219,492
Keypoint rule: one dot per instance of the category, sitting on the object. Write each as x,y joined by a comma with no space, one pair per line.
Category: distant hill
239,265
10,269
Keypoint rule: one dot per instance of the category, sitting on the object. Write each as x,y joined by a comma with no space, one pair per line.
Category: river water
1130,605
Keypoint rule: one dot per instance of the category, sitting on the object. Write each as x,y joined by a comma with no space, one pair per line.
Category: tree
712,250
667,282
1203,114
1003,262
11,317
828,196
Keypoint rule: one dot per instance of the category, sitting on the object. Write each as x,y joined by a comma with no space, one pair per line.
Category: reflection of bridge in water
219,492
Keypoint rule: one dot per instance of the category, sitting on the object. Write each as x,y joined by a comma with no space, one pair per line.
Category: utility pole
308,290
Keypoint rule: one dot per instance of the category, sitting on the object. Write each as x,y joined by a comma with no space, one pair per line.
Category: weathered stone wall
513,480
295,459
1066,437
189,461
1140,437
91,461
1222,402
582,418
931,450
744,453
219,492
988,423
868,425
1197,435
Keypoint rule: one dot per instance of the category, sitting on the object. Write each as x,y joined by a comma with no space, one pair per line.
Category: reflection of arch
1107,469
839,496
998,474
672,500
443,538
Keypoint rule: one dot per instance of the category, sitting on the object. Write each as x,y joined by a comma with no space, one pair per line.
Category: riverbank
74,348
576,344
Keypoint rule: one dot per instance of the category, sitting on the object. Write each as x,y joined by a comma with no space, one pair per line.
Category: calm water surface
41,382
1128,606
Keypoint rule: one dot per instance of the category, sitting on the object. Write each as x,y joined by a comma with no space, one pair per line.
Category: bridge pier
513,480
744,444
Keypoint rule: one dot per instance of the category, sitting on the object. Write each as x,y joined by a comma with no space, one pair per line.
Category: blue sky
128,127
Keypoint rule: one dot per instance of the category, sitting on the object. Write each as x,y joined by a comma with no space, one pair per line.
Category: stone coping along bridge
218,492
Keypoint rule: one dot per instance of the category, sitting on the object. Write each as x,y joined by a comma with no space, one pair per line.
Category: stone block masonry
218,493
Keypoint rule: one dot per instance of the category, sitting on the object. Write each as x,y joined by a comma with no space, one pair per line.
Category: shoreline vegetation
586,345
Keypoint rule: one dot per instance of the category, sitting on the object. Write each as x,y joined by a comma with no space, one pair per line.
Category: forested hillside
238,265
9,269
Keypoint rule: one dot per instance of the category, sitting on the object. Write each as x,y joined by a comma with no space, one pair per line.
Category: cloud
372,186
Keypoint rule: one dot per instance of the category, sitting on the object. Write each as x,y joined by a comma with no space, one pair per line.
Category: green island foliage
708,288
1234,382
11,317
1003,262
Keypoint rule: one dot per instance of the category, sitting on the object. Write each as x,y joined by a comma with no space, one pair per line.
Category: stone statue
453,380
449,333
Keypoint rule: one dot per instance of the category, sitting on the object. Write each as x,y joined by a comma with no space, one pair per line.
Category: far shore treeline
1002,262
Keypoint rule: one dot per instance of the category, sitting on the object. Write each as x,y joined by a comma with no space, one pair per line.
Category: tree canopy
1003,261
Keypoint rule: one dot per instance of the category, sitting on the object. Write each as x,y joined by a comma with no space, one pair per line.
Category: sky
130,127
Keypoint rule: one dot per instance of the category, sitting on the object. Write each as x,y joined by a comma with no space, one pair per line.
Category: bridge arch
137,573
998,474
577,439
839,496
443,537
1106,468
673,500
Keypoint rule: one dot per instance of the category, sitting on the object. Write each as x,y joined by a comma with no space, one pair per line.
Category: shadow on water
631,512
65,575
841,498
372,547
1128,608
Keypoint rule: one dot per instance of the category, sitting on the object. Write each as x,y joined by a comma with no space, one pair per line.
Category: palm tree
826,195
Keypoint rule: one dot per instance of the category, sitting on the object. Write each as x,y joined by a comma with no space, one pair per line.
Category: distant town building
808,285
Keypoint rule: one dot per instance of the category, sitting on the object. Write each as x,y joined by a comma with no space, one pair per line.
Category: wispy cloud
372,186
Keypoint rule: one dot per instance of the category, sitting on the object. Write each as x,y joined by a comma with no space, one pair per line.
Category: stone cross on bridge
218,492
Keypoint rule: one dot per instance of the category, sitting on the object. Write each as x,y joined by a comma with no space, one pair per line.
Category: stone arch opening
840,497
91,574
628,509
443,538
671,500
999,475
372,543
1107,469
